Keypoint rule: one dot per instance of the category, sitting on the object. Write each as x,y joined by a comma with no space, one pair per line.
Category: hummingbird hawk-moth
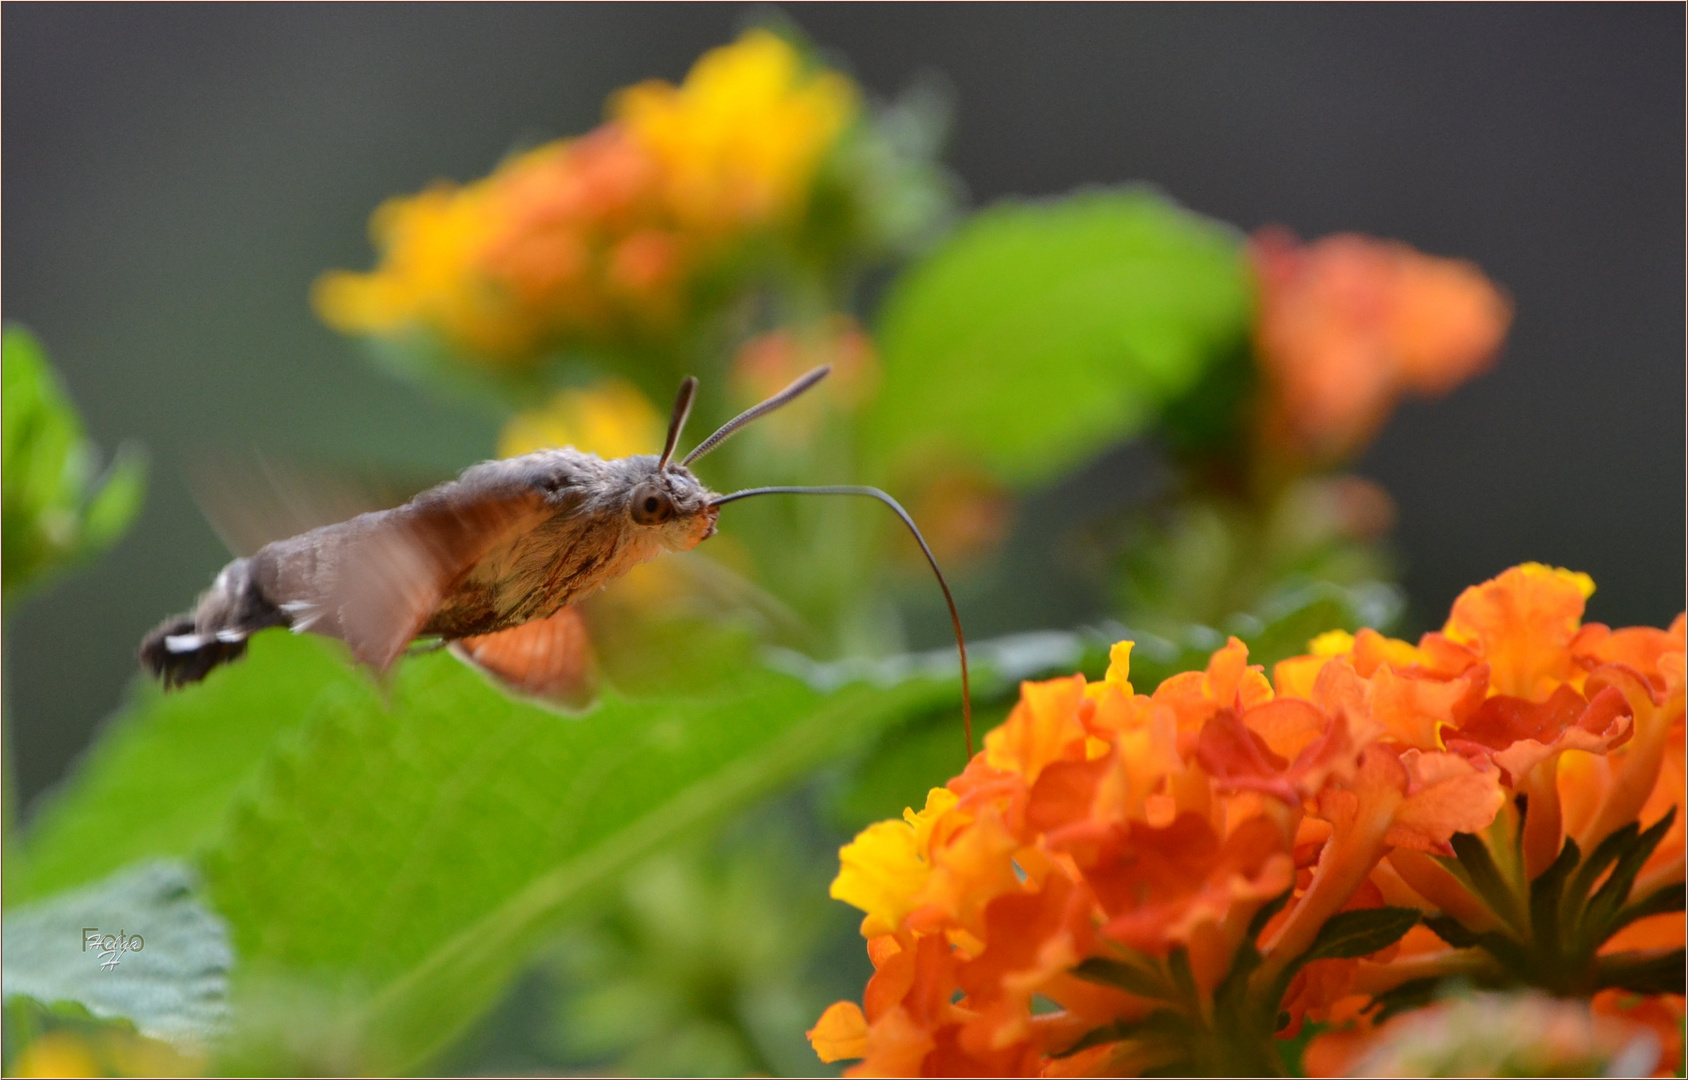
493,564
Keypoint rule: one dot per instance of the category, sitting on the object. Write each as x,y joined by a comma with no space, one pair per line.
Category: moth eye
651,507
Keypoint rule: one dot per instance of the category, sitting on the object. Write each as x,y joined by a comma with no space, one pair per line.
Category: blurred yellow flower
610,418
740,140
429,277
57,1053
112,1051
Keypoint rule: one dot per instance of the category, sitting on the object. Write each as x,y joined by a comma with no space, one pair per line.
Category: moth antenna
872,493
784,396
677,422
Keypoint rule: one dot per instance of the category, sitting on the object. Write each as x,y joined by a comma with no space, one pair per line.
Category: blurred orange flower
768,363
611,237
1347,324
967,513
1124,881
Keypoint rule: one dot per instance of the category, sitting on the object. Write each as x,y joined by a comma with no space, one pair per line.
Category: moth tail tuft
176,655
186,648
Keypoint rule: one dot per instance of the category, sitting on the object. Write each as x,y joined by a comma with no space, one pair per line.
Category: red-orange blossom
1156,833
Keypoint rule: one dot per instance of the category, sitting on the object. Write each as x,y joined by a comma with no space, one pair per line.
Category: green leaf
117,500
1257,925
1414,994
715,940
42,467
1292,1050
408,859
168,974
160,778
908,762
1230,996
1183,979
1346,935
1287,621
1485,875
1604,905
1660,974
1604,855
1661,901
1452,931
1547,895
1166,1027
1515,956
1350,934
50,518
924,752
1583,881
1131,978
1039,333
882,190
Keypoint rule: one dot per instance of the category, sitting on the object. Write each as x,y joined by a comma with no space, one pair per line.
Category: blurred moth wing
551,659
612,637
251,499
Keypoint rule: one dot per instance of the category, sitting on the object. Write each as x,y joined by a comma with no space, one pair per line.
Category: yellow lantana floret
1332,643
888,863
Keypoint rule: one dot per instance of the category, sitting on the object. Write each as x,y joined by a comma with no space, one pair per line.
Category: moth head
666,496
674,504
669,497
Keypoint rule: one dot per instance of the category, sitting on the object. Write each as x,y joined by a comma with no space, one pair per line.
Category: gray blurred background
174,177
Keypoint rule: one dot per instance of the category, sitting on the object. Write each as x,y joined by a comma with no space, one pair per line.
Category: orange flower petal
1522,623
840,1033
1349,323
1043,728
1445,794
896,1046
1413,708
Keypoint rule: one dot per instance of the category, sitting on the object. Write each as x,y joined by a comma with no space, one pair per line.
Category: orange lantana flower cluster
1348,324
611,237
1123,882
